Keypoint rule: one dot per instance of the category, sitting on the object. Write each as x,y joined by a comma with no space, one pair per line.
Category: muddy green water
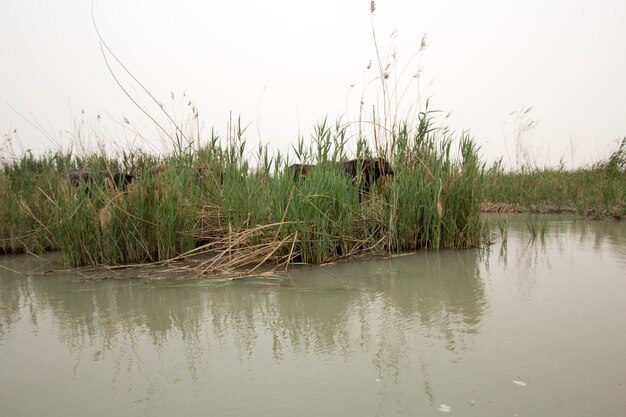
526,328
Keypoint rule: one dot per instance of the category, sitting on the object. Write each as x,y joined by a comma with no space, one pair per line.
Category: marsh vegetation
597,191
208,209
206,203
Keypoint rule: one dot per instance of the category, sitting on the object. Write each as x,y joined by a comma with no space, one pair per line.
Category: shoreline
615,212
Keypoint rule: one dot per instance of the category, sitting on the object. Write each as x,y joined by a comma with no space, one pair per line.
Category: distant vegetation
594,192
206,204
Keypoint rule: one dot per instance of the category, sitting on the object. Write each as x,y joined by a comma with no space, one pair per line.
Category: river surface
523,328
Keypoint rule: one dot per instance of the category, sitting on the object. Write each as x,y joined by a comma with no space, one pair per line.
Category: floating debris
444,408
520,383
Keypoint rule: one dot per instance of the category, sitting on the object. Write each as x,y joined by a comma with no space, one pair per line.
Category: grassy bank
32,193
210,207
594,192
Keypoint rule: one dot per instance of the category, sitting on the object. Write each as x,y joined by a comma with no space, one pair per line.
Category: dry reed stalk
230,251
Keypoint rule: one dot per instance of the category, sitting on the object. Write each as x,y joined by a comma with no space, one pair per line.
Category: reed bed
28,186
594,192
205,209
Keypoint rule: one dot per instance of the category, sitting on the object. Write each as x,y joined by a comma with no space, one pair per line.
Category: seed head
424,43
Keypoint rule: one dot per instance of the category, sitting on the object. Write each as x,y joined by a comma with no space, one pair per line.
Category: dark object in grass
116,180
300,170
78,177
366,171
120,180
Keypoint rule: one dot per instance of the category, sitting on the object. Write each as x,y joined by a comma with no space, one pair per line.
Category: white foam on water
444,408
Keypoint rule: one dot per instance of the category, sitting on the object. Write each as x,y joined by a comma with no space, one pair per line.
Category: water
527,328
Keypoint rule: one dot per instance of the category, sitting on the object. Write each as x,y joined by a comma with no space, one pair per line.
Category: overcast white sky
284,65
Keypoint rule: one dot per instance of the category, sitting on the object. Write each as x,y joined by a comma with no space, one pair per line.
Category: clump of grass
615,166
28,187
503,228
596,191
209,206
536,229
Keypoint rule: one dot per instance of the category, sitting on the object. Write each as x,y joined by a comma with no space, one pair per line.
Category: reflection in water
379,307
385,337
533,257
311,310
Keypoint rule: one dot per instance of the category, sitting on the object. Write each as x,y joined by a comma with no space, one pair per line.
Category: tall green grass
29,187
209,204
592,191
